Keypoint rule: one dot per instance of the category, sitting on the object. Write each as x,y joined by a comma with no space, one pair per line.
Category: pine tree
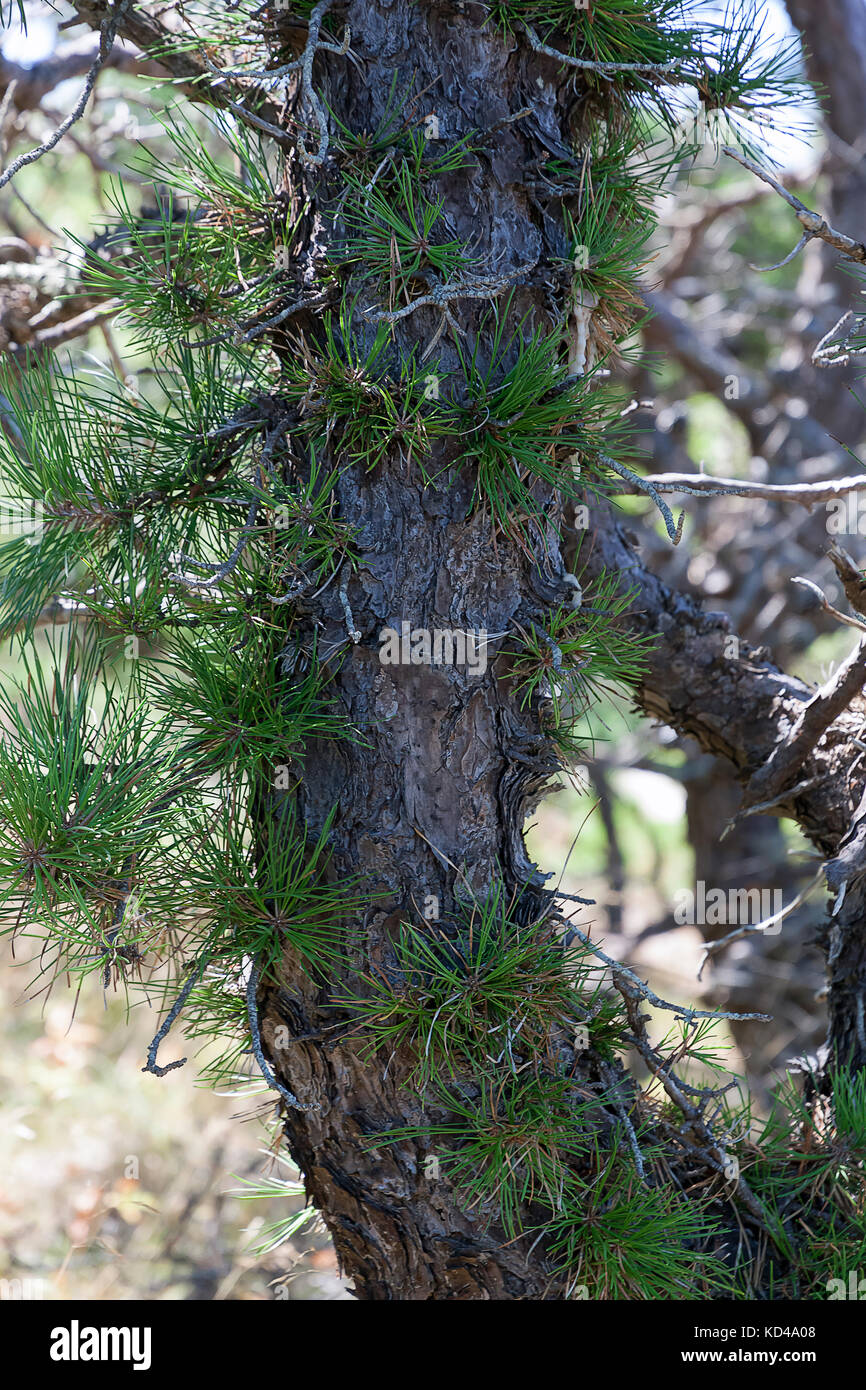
328,632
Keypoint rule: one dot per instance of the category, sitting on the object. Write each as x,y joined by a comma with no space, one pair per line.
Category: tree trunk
834,42
433,798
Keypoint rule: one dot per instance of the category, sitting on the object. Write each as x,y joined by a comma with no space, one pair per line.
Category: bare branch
152,1065
25,87
812,223
830,354
805,494
827,605
590,65
825,706
310,93
50,338
107,35
711,948
470,287
674,529
624,976
850,577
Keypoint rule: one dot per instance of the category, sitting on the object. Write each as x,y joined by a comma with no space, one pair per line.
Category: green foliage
618,31
87,459
395,234
512,1146
266,892
311,538
86,808
520,419
213,253
606,251
807,1162
397,152
622,1239
6,14
754,82
365,151
232,693
480,990
349,391
677,46
579,654
271,1186
154,816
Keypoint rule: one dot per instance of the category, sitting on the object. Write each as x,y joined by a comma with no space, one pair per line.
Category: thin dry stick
830,354
152,1065
806,494
478,287
623,973
850,576
107,35
673,528
712,947
827,605
711,1151
309,91
591,65
813,224
620,1109
59,333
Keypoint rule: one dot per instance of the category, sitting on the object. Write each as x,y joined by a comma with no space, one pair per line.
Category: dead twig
591,65
805,494
107,35
255,1035
152,1065
813,224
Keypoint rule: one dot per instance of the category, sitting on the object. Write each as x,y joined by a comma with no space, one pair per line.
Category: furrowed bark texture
432,799
435,796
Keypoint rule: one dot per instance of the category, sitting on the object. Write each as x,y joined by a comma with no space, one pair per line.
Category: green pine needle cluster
464,993
576,657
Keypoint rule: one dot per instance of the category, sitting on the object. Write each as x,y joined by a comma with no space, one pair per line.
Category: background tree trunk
834,43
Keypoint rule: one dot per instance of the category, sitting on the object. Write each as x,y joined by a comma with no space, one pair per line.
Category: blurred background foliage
114,1185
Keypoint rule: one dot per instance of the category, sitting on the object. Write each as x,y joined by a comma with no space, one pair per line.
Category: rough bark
433,800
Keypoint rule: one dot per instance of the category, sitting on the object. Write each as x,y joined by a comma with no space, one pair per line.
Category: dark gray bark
433,801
